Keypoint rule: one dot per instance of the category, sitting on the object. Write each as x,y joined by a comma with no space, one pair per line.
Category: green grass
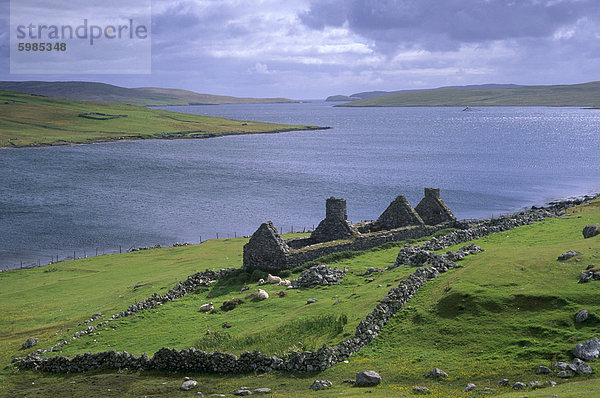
500,315
582,95
28,120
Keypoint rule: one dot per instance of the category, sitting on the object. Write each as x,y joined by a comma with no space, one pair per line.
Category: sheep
207,307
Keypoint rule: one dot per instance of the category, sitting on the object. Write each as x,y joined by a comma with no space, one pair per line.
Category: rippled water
494,160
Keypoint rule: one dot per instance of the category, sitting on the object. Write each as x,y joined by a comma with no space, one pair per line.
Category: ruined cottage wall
266,249
432,208
335,226
294,259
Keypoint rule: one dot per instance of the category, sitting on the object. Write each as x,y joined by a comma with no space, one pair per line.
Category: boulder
535,384
503,383
262,390
262,295
581,316
588,350
188,385
551,383
242,392
436,372
368,378
469,387
564,374
581,368
311,300
591,230
541,369
567,255
519,386
320,384
207,307
30,342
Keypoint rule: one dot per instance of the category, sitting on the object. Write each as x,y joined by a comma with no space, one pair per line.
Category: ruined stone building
267,251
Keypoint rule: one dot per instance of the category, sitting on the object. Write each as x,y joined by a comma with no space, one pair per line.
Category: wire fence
105,249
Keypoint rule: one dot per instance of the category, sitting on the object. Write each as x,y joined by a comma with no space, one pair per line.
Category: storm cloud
315,48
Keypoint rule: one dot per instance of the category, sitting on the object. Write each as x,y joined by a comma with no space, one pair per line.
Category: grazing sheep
262,295
285,282
207,307
273,279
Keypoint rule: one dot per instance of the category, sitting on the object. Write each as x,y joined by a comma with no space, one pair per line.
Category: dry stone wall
324,357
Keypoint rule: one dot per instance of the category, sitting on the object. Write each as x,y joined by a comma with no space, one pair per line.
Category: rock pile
319,275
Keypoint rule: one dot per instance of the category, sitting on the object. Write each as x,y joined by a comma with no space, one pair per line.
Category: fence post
120,251
96,252
217,235
74,257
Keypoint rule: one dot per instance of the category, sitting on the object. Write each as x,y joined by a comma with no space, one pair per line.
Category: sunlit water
493,160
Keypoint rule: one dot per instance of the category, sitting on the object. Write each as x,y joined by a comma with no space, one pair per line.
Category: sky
305,49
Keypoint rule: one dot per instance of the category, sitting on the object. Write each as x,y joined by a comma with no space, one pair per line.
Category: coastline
194,134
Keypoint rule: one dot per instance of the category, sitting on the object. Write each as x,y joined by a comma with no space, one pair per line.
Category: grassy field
29,120
504,312
581,95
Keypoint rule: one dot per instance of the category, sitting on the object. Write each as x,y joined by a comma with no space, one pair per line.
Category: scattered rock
281,294
588,350
30,342
567,255
535,384
564,374
551,383
262,295
207,307
541,369
581,316
436,372
188,385
242,392
320,384
262,390
368,378
226,325
581,368
590,266
519,386
231,304
469,387
591,230
421,389
311,300
503,383
562,366
348,381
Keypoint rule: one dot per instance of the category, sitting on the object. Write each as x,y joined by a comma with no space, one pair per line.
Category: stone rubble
591,230
567,255
320,384
319,275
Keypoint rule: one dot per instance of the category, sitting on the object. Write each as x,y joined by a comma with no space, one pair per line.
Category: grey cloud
436,24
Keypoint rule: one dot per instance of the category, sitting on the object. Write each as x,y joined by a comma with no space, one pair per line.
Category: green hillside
148,96
501,314
31,120
581,95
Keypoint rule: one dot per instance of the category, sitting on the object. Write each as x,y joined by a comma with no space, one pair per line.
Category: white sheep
285,282
262,295
207,307
273,279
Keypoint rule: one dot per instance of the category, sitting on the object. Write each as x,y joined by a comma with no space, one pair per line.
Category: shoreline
555,202
163,136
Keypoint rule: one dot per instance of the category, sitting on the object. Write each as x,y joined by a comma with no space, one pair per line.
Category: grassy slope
102,92
587,94
504,312
33,120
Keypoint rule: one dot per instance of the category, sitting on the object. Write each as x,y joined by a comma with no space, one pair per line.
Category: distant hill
334,98
371,94
582,95
102,92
